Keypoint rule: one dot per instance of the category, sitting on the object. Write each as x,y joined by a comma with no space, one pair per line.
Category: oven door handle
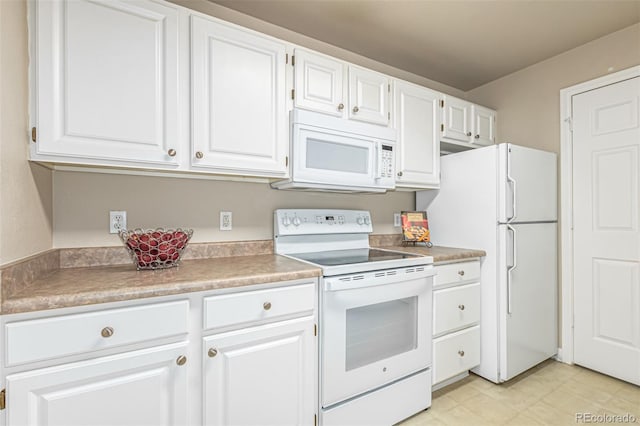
337,285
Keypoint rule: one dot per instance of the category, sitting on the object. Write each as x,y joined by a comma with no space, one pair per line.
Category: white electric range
375,317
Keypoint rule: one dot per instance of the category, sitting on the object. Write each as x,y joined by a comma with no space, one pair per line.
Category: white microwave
335,154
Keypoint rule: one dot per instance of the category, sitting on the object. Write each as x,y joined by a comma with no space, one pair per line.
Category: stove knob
296,221
367,221
360,220
286,221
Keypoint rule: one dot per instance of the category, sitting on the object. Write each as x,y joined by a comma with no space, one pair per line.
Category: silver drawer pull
212,352
461,273
107,332
461,353
461,307
266,306
181,360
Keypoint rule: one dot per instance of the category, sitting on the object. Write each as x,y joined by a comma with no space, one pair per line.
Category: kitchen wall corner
26,191
528,101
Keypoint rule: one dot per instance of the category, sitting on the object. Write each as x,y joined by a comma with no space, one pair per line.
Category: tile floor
549,394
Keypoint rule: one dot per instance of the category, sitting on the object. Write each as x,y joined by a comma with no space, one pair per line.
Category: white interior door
606,151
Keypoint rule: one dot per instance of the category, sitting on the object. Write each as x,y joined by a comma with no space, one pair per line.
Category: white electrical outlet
117,221
396,219
226,221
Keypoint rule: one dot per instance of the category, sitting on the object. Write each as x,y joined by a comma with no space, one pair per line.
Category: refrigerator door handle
512,181
511,268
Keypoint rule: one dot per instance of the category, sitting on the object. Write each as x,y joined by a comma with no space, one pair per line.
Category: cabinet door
368,96
239,116
417,116
263,375
319,83
107,81
139,388
484,122
456,120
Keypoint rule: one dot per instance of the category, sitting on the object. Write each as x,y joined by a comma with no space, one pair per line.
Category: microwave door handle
378,163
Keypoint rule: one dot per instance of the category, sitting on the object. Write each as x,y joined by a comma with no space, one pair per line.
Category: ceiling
461,43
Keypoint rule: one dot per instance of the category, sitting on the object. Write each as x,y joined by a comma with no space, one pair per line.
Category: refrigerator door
527,184
528,296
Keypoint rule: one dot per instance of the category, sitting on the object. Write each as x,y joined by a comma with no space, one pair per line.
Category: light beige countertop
440,254
76,277
100,284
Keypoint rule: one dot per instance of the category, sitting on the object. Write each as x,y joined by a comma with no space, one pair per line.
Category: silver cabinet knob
399,174
212,352
461,307
171,152
340,107
461,353
461,273
199,155
356,109
477,136
468,133
266,306
181,360
107,332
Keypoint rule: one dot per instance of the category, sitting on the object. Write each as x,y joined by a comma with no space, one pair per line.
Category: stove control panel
318,222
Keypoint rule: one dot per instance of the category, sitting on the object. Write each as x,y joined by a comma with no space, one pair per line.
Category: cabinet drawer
455,307
455,353
52,337
456,273
260,305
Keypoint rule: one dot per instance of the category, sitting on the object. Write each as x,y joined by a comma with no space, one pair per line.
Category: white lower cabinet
246,357
456,319
146,387
261,375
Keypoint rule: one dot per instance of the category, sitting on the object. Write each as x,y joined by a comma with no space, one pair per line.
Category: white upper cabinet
369,96
456,119
417,118
466,125
239,122
334,87
319,83
107,82
484,122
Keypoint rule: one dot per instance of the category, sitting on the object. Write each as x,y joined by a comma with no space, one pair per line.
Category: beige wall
83,200
528,101
25,189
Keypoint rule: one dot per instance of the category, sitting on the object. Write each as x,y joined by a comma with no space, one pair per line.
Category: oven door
375,329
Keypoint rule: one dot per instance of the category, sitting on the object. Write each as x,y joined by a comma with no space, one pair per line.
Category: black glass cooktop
351,256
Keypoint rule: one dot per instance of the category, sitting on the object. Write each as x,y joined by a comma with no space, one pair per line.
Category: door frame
565,353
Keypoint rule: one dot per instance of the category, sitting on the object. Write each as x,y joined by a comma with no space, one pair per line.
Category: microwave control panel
386,163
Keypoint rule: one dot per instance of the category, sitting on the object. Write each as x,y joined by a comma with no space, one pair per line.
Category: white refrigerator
503,199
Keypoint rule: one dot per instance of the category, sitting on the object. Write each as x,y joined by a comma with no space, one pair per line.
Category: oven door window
380,331
373,335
